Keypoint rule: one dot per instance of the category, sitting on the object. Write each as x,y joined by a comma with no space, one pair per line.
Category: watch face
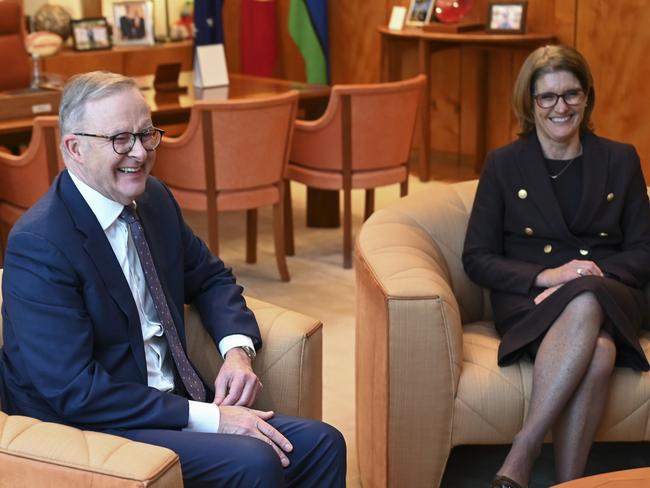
452,11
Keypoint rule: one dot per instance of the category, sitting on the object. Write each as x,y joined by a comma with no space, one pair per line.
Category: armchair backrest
378,119
25,178
442,214
13,56
247,140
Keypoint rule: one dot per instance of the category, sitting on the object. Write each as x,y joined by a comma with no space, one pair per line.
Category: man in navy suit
85,341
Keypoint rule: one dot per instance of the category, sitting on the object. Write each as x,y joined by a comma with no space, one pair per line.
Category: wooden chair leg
288,220
370,203
279,234
347,228
213,233
404,187
251,235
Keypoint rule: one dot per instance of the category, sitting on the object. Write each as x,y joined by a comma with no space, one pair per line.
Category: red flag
258,37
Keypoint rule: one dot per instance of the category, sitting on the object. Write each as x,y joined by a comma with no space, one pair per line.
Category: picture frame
90,34
419,12
507,17
133,22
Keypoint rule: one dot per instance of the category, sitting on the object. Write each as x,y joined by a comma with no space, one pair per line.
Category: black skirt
624,308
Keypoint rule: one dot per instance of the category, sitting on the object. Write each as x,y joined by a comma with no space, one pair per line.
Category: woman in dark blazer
560,234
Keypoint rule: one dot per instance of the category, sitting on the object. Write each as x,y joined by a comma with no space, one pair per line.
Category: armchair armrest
289,365
35,453
409,340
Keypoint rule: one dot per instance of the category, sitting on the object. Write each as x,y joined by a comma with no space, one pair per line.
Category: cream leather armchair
34,453
427,374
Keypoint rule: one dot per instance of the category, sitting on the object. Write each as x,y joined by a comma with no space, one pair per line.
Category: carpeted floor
320,287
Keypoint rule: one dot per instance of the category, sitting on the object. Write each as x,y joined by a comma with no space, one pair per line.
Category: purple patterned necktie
188,375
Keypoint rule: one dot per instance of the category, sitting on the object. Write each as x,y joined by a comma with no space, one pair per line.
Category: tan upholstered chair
25,178
34,453
15,61
363,140
233,156
427,374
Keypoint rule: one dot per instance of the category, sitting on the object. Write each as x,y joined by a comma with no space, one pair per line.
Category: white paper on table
210,66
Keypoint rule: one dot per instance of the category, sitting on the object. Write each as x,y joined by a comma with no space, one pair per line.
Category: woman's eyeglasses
570,97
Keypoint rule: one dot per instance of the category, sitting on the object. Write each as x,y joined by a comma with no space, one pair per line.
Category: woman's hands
554,278
569,271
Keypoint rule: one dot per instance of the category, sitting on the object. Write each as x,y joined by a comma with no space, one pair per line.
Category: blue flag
208,22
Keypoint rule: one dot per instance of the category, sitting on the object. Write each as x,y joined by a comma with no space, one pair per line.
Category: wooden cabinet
127,60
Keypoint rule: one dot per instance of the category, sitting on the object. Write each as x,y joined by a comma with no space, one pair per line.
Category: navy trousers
225,460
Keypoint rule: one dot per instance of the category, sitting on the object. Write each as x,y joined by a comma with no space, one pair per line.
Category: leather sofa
426,349
35,453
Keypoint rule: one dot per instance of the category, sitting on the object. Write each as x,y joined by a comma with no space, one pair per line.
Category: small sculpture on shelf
40,44
52,18
450,16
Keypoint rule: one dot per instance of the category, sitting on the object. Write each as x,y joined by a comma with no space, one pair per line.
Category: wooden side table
430,42
630,478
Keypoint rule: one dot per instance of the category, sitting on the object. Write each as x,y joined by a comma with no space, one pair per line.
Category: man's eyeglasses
570,97
124,141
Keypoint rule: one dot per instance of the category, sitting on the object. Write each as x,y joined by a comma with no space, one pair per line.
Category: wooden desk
174,108
630,478
172,111
430,42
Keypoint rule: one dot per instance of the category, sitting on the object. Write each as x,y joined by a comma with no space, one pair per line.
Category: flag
308,29
208,22
258,37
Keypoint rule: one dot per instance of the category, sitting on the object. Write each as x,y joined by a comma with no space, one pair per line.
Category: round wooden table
630,478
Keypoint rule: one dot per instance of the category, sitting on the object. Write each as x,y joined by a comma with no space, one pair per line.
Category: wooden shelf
127,60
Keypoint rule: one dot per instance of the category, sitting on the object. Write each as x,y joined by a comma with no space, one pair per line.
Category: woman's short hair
543,60
84,88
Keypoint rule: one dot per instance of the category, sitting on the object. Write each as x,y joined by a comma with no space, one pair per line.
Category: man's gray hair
84,88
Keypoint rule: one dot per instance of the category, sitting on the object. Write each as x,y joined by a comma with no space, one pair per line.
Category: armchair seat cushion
34,453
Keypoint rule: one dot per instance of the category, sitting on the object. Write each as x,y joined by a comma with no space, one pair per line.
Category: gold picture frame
419,12
507,17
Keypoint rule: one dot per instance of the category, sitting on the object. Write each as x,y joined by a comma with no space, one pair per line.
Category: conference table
171,111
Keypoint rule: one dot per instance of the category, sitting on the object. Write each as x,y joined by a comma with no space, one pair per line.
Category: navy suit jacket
73,349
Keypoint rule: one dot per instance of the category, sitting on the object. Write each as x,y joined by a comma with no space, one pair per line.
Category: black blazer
517,229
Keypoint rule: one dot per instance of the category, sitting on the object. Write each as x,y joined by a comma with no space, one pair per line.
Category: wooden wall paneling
614,38
564,26
231,33
445,102
354,40
499,111
469,99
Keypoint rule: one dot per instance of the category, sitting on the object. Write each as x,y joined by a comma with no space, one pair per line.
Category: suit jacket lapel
100,252
594,181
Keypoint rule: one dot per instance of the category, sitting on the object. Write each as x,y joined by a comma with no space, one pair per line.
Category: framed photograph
90,34
507,17
133,22
419,12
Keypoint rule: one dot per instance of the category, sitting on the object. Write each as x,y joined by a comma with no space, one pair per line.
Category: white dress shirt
203,417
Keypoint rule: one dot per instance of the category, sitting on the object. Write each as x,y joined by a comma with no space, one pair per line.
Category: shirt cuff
234,340
203,417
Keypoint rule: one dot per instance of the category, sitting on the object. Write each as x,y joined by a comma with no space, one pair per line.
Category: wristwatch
250,352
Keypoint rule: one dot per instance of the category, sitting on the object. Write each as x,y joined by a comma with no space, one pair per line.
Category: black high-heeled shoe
504,482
